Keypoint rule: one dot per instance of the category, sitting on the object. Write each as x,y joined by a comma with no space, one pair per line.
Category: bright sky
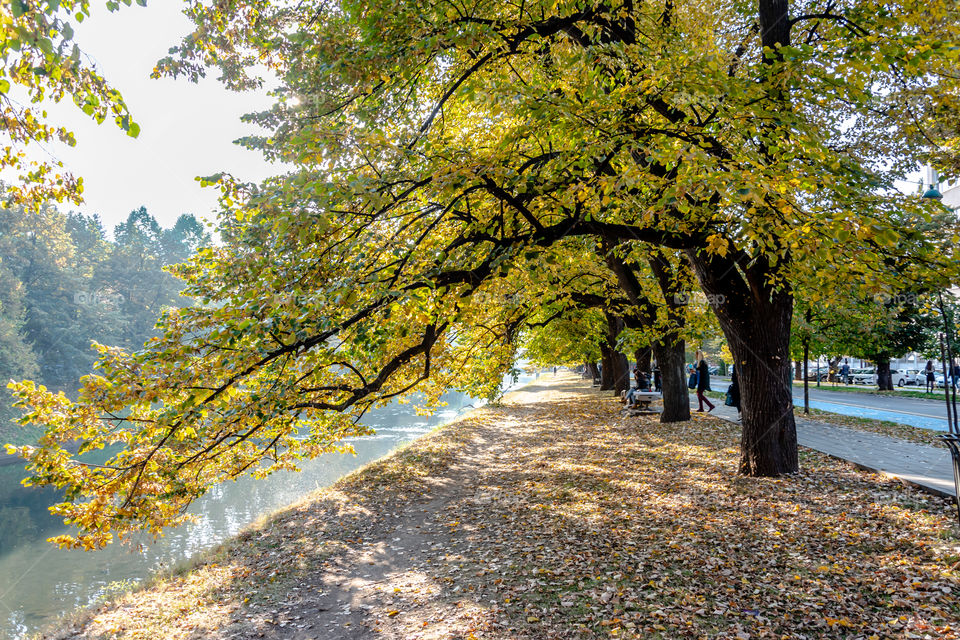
186,129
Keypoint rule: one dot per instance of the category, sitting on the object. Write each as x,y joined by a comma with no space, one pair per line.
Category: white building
951,195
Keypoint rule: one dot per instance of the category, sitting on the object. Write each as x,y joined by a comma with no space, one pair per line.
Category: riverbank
552,516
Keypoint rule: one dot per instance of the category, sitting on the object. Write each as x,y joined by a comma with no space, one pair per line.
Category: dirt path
385,588
553,516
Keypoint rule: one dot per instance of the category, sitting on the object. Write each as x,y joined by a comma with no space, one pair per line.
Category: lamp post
951,439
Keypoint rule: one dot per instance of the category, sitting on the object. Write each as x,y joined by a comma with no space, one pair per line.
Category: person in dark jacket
657,380
643,381
735,390
703,382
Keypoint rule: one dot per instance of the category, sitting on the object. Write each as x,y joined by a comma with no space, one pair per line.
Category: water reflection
39,582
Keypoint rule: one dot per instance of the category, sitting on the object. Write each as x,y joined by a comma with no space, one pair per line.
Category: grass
562,519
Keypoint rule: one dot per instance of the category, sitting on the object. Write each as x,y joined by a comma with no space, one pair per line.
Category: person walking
657,380
703,382
845,372
930,377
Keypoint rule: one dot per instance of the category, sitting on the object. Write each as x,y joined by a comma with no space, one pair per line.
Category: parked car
852,376
901,377
864,376
921,378
906,377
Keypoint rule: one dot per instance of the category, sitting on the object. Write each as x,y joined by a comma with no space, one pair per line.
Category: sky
186,129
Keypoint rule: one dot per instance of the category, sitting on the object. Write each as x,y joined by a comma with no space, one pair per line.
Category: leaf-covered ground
554,517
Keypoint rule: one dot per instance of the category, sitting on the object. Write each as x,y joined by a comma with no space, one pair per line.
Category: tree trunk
833,364
768,446
619,365
606,368
676,398
644,357
756,322
884,377
621,372
592,372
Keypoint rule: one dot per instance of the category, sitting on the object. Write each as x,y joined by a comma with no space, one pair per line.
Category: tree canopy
40,62
446,156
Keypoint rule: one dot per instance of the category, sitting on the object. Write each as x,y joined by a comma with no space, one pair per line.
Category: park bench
642,400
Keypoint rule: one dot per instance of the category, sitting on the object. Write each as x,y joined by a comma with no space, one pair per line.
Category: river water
39,582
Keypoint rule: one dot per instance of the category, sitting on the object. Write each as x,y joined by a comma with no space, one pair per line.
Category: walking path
929,468
554,516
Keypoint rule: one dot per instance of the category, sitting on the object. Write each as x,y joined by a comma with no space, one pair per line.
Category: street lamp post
951,439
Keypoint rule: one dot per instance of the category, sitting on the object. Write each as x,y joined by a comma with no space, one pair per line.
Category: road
929,414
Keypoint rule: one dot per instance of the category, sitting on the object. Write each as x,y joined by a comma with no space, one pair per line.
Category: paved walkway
929,468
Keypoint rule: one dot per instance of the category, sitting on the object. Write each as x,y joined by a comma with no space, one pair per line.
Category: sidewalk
929,468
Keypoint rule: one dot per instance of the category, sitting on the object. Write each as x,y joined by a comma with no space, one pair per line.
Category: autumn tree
438,150
40,62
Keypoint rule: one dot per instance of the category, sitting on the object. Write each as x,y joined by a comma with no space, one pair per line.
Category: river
39,582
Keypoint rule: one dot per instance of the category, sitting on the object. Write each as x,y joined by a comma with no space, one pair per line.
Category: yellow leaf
717,244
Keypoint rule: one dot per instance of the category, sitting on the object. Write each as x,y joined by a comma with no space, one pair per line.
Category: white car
921,378
907,376
903,377
864,376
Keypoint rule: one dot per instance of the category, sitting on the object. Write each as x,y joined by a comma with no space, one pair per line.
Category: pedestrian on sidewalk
930,376
657,380
955,373
845,372
703,382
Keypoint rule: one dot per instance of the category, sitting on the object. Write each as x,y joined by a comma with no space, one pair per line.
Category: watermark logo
685,298
102,298
902,299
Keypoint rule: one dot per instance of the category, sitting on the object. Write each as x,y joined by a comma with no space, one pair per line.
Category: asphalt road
933,408
919,412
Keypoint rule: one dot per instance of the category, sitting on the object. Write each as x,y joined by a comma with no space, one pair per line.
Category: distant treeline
65,283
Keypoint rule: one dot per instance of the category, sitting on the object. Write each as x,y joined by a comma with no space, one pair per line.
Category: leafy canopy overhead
40,62
443,154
